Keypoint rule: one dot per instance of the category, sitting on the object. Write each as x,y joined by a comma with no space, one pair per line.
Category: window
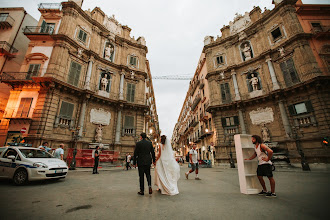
130,92
289,72
10,152
47,27
301,108
225,92
66,110
24,108
317,27
129,125
133,61
276,34
74,73
220,60
230,121
3,16
82,35
33,70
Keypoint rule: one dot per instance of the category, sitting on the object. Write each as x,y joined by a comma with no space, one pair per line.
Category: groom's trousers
144,169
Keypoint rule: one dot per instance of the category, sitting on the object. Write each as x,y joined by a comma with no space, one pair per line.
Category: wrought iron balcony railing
38,30
7,48
6,20
51,6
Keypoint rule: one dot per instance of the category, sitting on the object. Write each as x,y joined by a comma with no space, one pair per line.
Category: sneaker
262,193
271,195
197,178
186,175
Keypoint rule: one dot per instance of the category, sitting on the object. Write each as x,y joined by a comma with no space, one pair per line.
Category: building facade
84,81
13,46
195,124
264,78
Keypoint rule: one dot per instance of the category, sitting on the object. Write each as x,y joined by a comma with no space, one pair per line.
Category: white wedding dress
167,171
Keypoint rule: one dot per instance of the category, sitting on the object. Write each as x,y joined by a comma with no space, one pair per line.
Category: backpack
187,157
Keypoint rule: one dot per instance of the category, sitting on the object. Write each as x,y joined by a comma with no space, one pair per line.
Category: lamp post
296,135
76,137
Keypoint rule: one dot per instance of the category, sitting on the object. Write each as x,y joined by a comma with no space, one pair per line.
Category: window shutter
227,91
128,92
31,67
74,73
43,27
223,93
286,74
133,93
309,106
223,122
129,121
66,109
84,36
292,110
63,108
236,121
80,35
292,71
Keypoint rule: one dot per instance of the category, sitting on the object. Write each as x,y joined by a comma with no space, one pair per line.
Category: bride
167,170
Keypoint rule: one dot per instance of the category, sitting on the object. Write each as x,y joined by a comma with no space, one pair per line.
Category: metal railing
16,76
320,29
6,18
5,46
53,6
38,30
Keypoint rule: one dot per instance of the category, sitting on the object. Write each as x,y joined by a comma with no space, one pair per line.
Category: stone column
241,121
82,117
237,96
89,74
272,73
118,128
121,86
285,119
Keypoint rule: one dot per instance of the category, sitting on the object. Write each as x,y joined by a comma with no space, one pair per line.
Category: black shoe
141,193
94,173
150,190
271,195
262,193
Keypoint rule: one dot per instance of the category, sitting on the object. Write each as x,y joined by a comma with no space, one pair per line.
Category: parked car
23,164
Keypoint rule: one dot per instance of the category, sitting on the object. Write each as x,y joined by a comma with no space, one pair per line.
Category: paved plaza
113,195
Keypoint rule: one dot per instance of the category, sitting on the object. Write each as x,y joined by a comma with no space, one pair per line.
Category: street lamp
295,135
75,139
150,131
206,130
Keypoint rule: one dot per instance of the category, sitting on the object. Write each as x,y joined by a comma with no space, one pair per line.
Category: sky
174,31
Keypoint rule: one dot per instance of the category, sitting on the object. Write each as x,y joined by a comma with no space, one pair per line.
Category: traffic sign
23,130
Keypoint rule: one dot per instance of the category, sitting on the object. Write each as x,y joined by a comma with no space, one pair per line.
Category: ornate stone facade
82,88
270,84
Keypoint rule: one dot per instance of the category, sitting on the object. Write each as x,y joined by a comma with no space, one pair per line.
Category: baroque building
84,81
195,124
265,78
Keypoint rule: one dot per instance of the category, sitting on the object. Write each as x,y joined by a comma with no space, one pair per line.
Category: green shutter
236,121
128,92
292,110
43,27
223,93
129,122
227,91
66,109
133,93
84,37
74,73
80,35
309,106
286,74
223,122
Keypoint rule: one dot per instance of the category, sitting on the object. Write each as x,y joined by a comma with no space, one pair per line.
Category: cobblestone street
112,194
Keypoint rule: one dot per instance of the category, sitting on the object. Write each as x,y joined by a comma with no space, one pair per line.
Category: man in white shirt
59,152
44,147
193,161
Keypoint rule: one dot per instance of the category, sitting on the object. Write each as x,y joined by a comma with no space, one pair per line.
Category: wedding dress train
167,171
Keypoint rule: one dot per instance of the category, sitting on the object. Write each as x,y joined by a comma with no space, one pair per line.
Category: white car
22,164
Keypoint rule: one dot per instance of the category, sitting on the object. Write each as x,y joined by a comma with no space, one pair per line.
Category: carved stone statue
265,133
254,82
247,51
104,83
281,50
108,52
98,135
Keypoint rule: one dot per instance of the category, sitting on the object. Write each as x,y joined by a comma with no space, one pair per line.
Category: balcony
321,31
202,84
6,21
195,102
40,30
203,117
17,76
194,86
129,131
43,7
7,49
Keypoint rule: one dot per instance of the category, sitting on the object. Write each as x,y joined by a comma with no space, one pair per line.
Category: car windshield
35,153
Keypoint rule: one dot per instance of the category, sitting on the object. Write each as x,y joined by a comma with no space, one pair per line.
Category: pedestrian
96,160
44,146
59,152
144,156
128,161
264,154
193,162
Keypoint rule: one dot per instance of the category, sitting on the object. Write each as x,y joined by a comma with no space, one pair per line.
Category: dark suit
144,155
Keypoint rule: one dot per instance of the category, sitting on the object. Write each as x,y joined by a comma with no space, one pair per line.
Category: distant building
13,46
195,124
269,76
84,81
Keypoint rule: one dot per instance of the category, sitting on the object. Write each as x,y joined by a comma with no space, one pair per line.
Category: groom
144,154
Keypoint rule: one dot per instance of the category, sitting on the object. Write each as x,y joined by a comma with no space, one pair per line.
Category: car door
8,166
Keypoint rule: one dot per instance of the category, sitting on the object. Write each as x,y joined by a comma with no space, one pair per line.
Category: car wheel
20,177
